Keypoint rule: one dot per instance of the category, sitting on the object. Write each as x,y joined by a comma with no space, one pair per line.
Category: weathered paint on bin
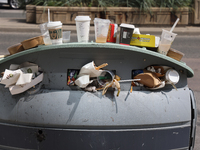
59,116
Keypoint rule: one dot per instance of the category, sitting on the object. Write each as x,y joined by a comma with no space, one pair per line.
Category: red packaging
112,33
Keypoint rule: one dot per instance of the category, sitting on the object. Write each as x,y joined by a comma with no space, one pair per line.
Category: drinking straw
48,15
174,25
129,80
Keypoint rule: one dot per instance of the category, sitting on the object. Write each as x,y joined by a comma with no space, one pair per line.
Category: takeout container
33,42
175,54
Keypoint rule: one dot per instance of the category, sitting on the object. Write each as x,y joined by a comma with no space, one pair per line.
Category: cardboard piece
33,42
148,79
144,40
15,48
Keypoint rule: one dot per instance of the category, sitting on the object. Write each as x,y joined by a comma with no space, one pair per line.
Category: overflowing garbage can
95,96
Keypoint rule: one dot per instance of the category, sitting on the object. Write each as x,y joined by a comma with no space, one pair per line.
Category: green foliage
142,4
174,3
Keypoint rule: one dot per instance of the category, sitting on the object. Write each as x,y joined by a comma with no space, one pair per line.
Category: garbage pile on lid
91,77
105,31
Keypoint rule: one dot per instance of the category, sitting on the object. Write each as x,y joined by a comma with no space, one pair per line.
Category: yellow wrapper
144,40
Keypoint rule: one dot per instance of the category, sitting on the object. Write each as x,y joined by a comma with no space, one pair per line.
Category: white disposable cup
166,40
45,34
89,69
83,28
171,76
101,29
83,81
55,31
66,36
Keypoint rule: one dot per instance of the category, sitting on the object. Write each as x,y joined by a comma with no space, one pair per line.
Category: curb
154,31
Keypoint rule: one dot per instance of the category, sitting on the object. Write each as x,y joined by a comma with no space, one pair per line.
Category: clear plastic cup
45,34
166,40
101,29
83,28
55,31
66,36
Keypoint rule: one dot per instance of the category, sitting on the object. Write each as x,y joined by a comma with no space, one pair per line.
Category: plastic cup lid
173,76
101,20
127,26
167,32
54,23
82,18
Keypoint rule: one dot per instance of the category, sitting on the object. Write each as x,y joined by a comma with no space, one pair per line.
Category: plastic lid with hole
82,18
101,20
54,24
127,26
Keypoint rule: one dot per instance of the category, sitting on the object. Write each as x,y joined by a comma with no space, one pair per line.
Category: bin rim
190,72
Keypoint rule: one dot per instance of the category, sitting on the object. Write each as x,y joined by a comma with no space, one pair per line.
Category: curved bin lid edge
190,72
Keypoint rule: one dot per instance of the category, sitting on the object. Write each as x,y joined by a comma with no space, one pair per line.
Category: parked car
15,4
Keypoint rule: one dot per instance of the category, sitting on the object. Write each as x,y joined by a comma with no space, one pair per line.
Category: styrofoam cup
101,29
55,31
83,28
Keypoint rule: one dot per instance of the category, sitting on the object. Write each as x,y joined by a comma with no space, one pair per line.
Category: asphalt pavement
13,24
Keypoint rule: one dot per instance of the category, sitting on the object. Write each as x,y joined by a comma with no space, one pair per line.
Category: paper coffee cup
55,32
83,28
126,32
89,69
83,81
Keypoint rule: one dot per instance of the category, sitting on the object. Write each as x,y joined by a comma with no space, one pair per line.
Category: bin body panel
25,137
68,116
